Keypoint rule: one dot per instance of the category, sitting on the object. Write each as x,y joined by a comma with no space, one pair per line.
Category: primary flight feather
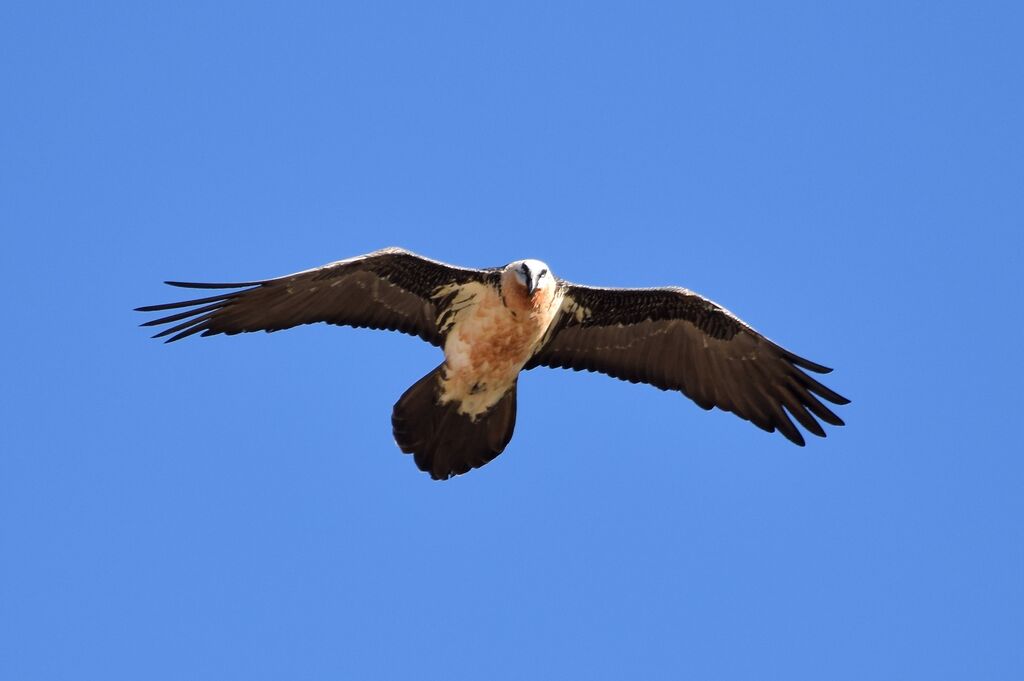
494,323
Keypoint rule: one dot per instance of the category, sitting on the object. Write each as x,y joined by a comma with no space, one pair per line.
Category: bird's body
494,323
493,333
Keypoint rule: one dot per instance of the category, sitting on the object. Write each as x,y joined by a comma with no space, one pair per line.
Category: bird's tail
443,441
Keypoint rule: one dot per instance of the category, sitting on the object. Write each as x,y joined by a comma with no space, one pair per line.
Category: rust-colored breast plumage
490,341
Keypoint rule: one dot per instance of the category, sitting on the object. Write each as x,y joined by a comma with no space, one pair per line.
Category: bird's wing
388,289
675,339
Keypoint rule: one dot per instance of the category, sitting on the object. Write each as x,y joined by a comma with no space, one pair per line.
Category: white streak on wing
579,313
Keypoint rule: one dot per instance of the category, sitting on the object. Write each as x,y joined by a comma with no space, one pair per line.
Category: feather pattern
675,339
390,289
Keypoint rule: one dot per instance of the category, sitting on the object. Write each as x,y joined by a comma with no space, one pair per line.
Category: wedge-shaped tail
443,441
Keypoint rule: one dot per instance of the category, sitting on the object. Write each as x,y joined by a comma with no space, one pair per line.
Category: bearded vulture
494,323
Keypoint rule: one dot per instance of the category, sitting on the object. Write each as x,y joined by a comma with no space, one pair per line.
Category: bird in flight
494,323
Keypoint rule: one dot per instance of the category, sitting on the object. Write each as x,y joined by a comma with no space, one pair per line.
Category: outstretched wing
389,289
675,339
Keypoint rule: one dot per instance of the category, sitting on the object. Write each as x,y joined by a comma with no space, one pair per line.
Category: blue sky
846,177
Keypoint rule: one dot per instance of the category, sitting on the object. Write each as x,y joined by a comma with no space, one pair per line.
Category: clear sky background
847,178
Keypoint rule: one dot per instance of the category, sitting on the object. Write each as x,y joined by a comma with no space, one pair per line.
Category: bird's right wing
675,339
391,289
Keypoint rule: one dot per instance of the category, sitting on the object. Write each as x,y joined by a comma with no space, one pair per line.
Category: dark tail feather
445,442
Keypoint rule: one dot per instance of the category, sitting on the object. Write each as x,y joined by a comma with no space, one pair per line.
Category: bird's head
528,276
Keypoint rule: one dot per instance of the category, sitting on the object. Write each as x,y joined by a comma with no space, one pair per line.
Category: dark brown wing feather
675,339
389,289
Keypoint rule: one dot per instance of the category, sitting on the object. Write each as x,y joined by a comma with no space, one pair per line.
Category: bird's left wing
674,339
391,289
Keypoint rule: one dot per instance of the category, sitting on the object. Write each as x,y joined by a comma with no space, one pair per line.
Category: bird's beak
531,283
